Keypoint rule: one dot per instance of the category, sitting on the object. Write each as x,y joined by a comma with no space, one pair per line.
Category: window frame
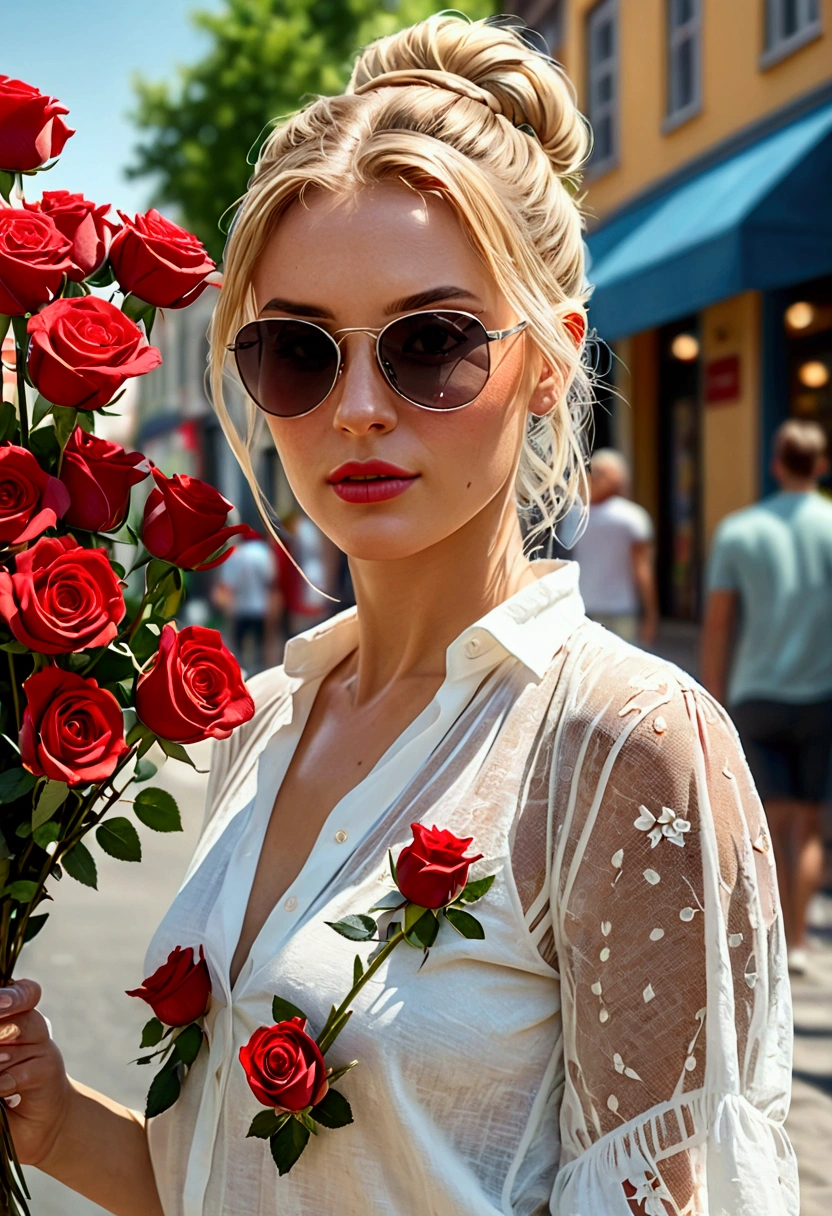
686,31
610,10
776,47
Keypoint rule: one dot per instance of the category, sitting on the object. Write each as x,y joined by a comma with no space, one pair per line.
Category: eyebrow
406,304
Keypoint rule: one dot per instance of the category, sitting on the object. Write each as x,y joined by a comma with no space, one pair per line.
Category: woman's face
363,261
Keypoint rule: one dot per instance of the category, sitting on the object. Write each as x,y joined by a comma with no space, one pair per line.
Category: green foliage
288,1144
265,59
157,809
120,839
79,864
153,1033
357,928
333,1110
284,1011
14,783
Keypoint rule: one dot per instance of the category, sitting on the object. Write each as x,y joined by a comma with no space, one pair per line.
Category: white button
291,903
340,836
472,647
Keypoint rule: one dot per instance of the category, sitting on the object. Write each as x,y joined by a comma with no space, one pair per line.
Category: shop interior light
800,315
685,348
813,374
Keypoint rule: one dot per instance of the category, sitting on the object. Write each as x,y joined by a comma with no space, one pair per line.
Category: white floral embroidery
650,1193
668,824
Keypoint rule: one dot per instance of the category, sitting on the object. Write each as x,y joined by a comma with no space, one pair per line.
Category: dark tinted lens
437,359
287,367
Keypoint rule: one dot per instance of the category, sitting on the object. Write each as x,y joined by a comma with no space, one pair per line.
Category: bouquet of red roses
93,670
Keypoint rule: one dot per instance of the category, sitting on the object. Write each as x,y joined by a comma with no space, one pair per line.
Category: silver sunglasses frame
492,335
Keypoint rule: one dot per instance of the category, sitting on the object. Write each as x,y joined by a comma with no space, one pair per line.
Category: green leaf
8,415
139,310
102,277
165,1088
86,421
6,186
51,798
265,1124
177,752
15,783
145,769
14,647
333,1110
357,928
113,667
47,833
476,889
157,809
288,1144
337,1073
152,1033
5,321
422,931
464,923
4,848
357,970
65,422
44,445
137,732
284,1011
392,865
34,926
157,570
40,409
24,890
395,899
120,839
307,1121
188,1043
79,864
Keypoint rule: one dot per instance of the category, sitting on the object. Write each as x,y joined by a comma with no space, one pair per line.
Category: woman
620,1040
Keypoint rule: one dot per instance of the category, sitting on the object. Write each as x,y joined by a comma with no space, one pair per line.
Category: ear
546,392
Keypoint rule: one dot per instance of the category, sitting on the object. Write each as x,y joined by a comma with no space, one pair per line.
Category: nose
365,402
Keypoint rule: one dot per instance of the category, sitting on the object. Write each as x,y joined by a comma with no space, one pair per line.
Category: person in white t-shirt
615,553
245,590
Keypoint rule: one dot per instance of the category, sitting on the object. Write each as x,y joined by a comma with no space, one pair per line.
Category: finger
28,1027
26,1074
22,995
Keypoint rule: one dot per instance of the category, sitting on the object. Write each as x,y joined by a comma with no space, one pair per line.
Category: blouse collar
531,627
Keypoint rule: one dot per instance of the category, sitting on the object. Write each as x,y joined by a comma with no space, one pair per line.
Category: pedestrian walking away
766,649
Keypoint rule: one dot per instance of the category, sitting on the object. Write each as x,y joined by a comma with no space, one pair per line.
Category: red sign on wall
722,380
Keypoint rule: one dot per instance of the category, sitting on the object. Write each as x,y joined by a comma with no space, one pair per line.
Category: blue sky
84,52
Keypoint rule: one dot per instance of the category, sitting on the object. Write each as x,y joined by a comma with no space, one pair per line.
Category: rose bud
99,476
159,262
30,499
432,871
184,522
72,730
34,256
83,224
195,689
31,128
83,350
62,597
284,1066
178,992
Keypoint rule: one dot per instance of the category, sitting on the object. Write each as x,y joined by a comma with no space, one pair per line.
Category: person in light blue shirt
767,651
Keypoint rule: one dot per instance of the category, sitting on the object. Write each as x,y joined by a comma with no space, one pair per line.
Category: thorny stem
20,369
325,1039
15,696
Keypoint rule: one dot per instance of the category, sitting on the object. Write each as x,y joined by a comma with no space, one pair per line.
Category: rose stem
137,619
15,696
19,327
326,1038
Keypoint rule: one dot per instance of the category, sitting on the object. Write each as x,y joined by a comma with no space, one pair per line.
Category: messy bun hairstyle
473,112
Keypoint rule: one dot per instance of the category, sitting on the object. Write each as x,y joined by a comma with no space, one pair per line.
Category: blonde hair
472,112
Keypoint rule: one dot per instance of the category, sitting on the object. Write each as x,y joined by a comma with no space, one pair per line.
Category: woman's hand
33,1079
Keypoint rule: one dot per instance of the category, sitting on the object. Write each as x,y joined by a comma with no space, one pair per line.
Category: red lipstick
369,481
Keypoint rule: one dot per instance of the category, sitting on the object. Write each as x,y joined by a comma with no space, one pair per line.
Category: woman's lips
370,481
372,491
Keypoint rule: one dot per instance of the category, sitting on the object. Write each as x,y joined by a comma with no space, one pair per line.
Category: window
684,43
551,24
602,92
790,24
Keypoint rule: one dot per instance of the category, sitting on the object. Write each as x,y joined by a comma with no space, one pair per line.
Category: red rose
72,730
83,350
284,1066
30,499
159,262
178,991
195,689
61,597
83,224
183,522
34,256
432,871
31,128
99,476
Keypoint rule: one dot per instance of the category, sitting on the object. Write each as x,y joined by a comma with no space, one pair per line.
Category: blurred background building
710,241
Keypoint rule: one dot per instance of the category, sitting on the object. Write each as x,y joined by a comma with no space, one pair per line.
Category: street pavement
93,947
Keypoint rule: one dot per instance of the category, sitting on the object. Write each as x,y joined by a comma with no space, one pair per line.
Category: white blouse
621,1039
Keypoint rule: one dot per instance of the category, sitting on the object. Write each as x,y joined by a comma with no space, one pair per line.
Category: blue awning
761,219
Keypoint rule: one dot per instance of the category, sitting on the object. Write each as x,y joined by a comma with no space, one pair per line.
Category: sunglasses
438,360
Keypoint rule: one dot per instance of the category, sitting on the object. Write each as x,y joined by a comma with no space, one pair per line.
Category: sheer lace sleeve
676,1011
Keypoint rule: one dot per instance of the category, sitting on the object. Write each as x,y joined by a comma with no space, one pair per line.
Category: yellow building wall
730,430
735,90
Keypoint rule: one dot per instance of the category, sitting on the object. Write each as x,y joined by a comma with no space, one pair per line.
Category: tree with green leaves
265,58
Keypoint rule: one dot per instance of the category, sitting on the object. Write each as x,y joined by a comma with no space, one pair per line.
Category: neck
411,609
798,485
